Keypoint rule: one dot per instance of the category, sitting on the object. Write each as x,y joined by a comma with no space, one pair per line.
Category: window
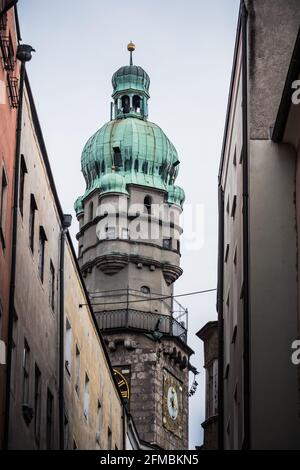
136,102
233,207
167,243
49,422
3,203
234,157
26,370
145,167
77,371
42,242
235,256
91,211
80,251
136,165
147,204
68,350
23,171
66,432
226,252
98,422
110,233
125,233
51,286
145,290
14,352
33,208
117,156
178,245
37,404
86,399
109,439
125,104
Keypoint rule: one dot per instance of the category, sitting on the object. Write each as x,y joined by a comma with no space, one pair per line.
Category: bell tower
129,254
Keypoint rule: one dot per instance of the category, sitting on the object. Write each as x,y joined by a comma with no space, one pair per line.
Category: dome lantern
130,90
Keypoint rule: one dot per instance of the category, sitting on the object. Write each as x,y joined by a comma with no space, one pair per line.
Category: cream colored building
93,410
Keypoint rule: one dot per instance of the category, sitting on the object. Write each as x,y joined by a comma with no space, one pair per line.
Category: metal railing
133,298
138,320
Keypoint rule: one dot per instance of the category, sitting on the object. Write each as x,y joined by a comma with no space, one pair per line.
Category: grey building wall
274,393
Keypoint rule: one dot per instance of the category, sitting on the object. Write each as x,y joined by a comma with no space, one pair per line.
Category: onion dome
176,195
136,148
113,183
130,77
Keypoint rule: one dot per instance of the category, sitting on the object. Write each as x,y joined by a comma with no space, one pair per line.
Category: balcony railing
137,320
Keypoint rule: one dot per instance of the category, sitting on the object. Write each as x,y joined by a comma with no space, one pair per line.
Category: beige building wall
231,183
36,322
89,430
35,372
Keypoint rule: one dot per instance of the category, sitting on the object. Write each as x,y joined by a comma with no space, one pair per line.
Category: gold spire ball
131,48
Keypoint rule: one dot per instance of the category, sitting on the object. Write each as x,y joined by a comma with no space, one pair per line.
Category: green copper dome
113,182
130,77
139,150
176,195
129,149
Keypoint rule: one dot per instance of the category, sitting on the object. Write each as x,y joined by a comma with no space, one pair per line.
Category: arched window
91,211
136,165
103,167
147,204
145,290
125,104
136,102
145,167
128,165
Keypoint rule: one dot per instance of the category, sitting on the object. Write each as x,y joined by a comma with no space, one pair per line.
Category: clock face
172,400
172,404
122,384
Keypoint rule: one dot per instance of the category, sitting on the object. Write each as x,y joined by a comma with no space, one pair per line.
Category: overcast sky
187,49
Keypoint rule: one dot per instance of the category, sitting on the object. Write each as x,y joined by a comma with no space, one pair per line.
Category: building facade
9,76
49,294
258,242
209,335
129,254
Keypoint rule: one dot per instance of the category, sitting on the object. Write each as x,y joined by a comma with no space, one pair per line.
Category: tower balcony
121,314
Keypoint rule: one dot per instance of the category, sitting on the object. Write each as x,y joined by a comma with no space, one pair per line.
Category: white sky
187,49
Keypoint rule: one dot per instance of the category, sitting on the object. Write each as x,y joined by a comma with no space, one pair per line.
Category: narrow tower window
136,103
91,211
147,204
125,104
117,156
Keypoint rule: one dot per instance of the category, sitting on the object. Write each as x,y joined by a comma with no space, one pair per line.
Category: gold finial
131,48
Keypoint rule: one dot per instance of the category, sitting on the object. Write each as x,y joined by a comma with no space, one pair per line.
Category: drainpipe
23,55
66,223
246,296
124,419
220,322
